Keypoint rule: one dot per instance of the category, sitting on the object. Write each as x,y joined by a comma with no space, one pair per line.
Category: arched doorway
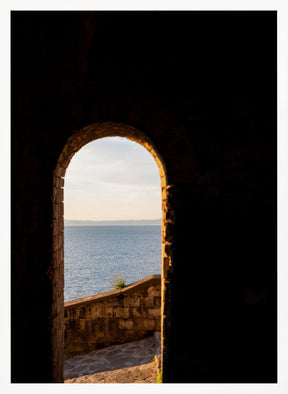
74,143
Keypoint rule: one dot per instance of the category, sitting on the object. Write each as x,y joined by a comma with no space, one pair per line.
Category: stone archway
56,271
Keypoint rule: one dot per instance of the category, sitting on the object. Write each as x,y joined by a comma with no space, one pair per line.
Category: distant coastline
155,222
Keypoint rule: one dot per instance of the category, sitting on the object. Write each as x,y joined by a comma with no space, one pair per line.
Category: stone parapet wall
113,317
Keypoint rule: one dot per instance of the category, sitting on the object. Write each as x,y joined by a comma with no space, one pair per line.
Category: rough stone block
153,314
136,313
147,302
148,324
154,291
132,301
110,312
126,324
122,312
82,324
157,302
96,311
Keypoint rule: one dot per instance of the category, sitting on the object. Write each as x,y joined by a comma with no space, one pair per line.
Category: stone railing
113,317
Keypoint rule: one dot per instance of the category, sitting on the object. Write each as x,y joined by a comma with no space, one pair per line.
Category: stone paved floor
125,363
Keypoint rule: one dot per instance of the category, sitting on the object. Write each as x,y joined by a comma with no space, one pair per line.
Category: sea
93,255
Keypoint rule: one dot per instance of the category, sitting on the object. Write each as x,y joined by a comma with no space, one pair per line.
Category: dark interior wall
202,86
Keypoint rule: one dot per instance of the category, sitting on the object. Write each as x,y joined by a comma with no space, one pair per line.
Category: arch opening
74,144
112,217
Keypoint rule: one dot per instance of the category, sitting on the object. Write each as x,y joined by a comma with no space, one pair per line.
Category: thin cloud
112,178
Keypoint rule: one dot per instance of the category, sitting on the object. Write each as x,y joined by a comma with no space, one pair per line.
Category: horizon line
111,220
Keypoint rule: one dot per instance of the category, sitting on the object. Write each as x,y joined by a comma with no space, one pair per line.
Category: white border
281,7
194,5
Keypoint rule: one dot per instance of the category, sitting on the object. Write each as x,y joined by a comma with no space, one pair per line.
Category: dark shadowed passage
202,99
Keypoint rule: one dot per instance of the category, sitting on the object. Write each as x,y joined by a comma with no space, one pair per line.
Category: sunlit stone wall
113,317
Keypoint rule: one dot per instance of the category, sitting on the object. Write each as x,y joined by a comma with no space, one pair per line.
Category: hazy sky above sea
112,179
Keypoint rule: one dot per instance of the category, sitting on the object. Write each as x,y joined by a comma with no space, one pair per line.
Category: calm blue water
93,254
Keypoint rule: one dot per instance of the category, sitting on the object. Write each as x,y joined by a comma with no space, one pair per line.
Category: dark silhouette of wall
202,87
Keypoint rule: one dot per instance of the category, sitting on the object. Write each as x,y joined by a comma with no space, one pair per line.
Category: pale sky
112,179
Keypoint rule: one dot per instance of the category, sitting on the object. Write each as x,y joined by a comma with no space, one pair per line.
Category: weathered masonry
201,97
113,317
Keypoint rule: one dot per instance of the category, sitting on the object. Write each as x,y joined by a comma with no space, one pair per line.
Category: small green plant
118,282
